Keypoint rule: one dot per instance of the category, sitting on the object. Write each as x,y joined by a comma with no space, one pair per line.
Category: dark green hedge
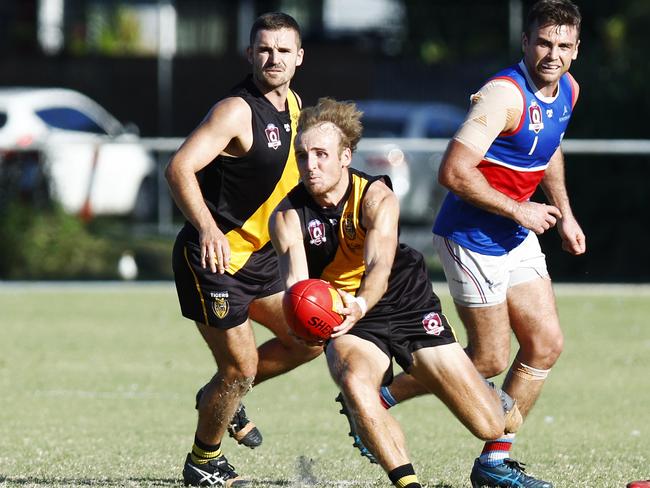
48,244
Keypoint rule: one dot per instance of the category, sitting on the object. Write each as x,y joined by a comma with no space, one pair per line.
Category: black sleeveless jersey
242,192
334,245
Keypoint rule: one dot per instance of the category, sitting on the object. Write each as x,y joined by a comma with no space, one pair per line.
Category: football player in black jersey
341,225
226,178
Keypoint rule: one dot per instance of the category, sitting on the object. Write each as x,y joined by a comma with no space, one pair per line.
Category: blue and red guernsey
514,164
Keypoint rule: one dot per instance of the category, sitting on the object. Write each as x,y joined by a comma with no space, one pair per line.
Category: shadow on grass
35,481
141,482
117,482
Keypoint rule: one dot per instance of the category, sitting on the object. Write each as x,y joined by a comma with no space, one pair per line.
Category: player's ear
524,41
346,157
575,52
301,53
249,54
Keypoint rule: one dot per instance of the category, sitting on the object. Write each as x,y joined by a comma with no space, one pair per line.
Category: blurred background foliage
421,50
38,240
414,49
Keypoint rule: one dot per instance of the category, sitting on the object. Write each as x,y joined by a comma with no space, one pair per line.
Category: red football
639,484
309,309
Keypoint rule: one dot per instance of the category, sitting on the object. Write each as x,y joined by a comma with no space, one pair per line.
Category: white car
94,164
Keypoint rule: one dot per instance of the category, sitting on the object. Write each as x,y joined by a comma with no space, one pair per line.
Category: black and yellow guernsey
242,192
334,240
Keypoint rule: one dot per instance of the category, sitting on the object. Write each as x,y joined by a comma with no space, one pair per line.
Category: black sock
404,477
202,452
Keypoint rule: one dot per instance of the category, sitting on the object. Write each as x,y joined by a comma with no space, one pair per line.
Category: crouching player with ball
341,225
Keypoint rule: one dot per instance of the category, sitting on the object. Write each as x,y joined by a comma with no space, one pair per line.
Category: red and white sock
494,452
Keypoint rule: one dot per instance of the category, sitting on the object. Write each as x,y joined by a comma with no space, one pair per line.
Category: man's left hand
573,239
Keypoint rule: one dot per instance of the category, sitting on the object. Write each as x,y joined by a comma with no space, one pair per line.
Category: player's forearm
379,263
286,238
459,173
186,192
373,286
474,189
554,184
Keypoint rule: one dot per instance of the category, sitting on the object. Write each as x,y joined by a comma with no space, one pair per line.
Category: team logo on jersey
220,305
317,232
273,136
348,227
535,116
432,323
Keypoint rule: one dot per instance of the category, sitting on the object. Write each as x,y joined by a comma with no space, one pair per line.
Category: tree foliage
612,66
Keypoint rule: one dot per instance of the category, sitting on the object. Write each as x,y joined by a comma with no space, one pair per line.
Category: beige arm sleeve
496,108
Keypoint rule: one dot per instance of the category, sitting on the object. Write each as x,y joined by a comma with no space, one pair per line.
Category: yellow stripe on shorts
198,287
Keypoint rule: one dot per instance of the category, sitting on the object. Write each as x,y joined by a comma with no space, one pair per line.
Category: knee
486,421
238,376
544,350
349,383
489,428
357,388
239,384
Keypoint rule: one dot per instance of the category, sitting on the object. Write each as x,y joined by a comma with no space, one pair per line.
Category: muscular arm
380,218
495,108
286,237
554,186
226,129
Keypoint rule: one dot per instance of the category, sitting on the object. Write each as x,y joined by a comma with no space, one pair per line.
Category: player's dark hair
275,21
553,12
344,115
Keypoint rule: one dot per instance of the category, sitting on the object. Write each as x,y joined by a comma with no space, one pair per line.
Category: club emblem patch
220,305
316,231
273,136
432,323
348,227
535,116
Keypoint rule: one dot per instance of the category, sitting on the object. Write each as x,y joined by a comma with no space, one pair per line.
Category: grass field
97,388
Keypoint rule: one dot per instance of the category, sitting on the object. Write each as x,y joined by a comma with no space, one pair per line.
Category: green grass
97,388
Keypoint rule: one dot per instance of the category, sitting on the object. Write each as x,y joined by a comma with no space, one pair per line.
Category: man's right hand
538,217
215,249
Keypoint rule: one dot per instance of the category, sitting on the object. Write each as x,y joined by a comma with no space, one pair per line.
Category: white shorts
478,280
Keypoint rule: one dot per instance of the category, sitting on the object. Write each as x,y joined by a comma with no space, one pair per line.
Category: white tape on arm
362,304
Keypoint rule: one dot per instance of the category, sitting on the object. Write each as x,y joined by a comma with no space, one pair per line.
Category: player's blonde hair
344,115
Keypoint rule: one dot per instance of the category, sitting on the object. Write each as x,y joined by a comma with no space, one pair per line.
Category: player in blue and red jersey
486,230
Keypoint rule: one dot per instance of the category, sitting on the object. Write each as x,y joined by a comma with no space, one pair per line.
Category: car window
382,127
441,127
3,119
67,118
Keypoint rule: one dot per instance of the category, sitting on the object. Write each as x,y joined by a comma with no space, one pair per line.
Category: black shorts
400,334
221,300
